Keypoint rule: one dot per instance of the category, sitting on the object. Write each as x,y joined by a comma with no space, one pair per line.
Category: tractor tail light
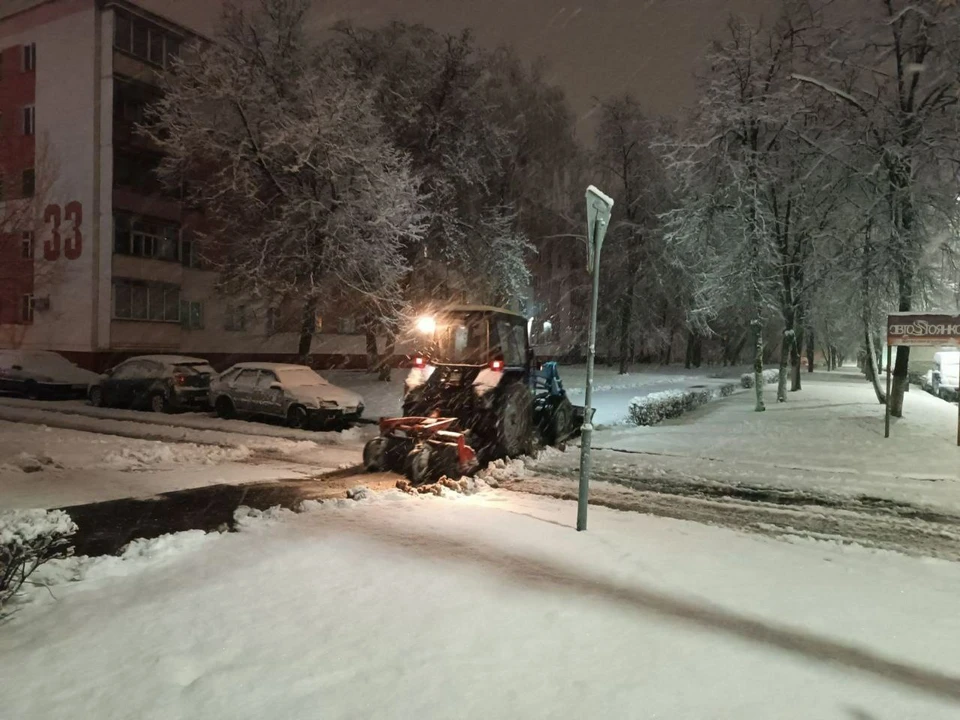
496,365
180,379
419,361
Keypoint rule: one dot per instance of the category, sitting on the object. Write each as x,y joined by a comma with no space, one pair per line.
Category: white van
944,379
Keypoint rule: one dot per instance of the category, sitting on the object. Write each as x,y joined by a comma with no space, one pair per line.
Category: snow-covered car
162,383
294,393
42,374
943,380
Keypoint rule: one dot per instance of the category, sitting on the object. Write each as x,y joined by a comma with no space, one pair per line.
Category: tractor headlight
426,324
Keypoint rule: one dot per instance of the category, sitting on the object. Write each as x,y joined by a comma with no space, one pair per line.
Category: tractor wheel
561,422
514,421
395,454
418,465
375,455
444,462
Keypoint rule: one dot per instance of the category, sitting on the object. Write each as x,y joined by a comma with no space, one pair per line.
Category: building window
29,183
30,57
191,315
29,120
156,47
145,40
143,237
140,300
235,318
26,245
122,31
189,256
273,320
26,308
347,325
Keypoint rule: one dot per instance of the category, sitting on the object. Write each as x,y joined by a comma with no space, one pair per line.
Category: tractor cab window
462,341
513,343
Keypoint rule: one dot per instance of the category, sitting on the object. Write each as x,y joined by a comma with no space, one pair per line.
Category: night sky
593,48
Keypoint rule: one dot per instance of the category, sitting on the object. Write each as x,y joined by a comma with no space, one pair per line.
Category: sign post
920,330
599,207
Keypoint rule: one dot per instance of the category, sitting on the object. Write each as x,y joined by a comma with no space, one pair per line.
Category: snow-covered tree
896,76
636,283
758,196
488,136
304,193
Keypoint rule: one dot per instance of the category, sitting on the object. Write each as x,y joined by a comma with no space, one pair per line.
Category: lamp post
599,207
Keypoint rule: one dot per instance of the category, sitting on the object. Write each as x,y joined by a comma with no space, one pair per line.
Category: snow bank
140,457
657,407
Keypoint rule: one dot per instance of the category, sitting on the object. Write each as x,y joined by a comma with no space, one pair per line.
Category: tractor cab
474,336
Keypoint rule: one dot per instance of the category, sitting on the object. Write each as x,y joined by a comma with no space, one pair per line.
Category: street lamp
599,207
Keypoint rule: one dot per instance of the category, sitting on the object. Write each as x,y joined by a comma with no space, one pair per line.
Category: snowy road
767,510
487,606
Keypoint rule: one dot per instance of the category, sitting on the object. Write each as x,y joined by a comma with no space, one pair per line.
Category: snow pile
656,407
31,463
248,518
29,538
140,457
505,470
769,377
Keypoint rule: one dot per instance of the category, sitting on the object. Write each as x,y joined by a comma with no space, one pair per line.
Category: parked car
943,380
42,374
162,383
294,393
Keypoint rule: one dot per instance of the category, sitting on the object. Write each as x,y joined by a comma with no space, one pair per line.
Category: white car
944,379
294,393
43,374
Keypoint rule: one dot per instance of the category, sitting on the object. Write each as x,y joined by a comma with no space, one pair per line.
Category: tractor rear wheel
514,421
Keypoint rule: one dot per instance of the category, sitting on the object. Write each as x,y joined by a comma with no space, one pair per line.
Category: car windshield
39,360
298,377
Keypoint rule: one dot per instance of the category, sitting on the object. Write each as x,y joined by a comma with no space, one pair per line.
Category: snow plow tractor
474,394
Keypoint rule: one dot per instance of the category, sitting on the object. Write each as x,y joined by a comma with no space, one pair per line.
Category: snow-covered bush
29,538
659,406
769,377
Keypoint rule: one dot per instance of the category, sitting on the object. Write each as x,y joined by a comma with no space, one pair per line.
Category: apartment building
97,261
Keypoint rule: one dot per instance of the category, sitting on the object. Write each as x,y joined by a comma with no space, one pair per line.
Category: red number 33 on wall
72,245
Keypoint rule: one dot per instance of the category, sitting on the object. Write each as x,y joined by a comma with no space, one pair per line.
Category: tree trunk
688,361
386,360
795,362
785,344
372,352
626,317
758,363
901,380
697,350
308,328
811,350
872,370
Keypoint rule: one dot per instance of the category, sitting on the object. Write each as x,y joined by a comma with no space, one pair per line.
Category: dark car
161,383
42,374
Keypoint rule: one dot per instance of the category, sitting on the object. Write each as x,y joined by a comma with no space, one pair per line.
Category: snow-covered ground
42,466
828,437
487,606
